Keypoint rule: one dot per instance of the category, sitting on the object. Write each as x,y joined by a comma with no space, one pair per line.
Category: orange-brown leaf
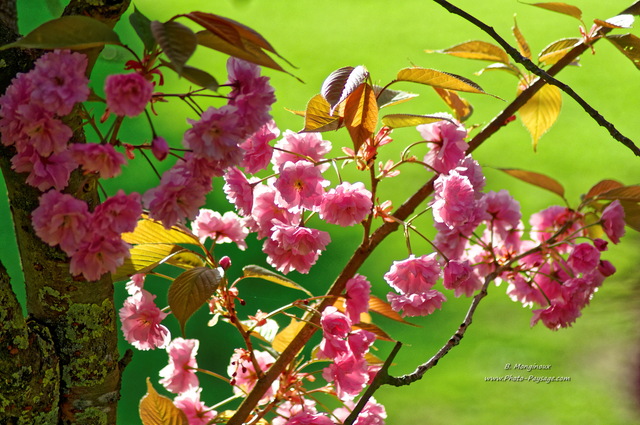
626,193
361,114
440,79
602,187
156,409
476,49
629,45
390,97
177,41
317,116
460,106
383,308
619,21
380,334
564,8
631,214
536,179
523,46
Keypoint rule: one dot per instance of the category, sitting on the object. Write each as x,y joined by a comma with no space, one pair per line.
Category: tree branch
547,77
9,14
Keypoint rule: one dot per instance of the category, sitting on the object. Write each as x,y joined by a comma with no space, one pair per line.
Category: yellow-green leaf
261,273
177,41
156,409
556,50
541,111
408,120
318,117
190,290
288,334
564,8
629,45
361,114
523,46
444,80
500,67
476,49
68,32
341,83
151,231
146,257
461,107
536,179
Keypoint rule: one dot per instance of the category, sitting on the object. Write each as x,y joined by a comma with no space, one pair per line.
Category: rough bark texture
61,364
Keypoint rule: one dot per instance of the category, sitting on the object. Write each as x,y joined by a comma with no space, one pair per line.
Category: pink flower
46,134
452,242
117,214
417,304
558,315
504,211
470,168
346,205
447,143
372,414
334,323
289,408
257,151
159,148
141,322
61,219
216,136
525,292
127,94
98,158
17,96
294,147
243,374
294,247
251,95
584,258
239,190
612,220
59,81
225,228
98,255
459,276
606,268
136,284
360,341
348,373
44,172
264,211
307,418
194,409
455,202
547,222
300,184
357,292
180,374
414,274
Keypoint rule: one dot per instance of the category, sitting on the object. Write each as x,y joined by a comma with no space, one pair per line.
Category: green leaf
556,50
68,32
317,116
341,83
565,9
361,114
476,49
156,409
146,257
177,41
142,26
288,334
444,80
261,273
536,179
190,290
629,45
523,46
541,111
390,97
151,231
196,76
409,120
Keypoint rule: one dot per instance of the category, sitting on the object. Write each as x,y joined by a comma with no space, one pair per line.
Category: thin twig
533,68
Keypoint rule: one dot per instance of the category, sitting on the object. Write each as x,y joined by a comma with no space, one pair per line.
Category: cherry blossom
194,409
257,151
447,143
222,228
347,204
180,375
127,94
613,221
294,147
61,219
141,320
98,158
243,374
357,292
300,184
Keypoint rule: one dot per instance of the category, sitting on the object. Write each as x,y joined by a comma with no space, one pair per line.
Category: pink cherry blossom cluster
552,269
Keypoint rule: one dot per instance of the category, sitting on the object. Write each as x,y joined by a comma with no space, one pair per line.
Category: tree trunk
61,363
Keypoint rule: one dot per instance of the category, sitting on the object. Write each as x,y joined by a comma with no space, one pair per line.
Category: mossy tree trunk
60,364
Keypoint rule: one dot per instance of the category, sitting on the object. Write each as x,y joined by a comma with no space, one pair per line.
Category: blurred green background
600,353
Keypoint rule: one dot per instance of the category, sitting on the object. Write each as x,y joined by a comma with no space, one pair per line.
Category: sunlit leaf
68,32
440,79
556,50
341,83
261,273
288,334
156,409
177,41
146,257
317,116
461,107
565,9
499,67
196,76
629,45
267,331
190,290
151,231
523,46
361,114
602,187
390,97
627,193
476,49
372,359
142,26
619,21
541,111
380,334
408,120
376,305
536,179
